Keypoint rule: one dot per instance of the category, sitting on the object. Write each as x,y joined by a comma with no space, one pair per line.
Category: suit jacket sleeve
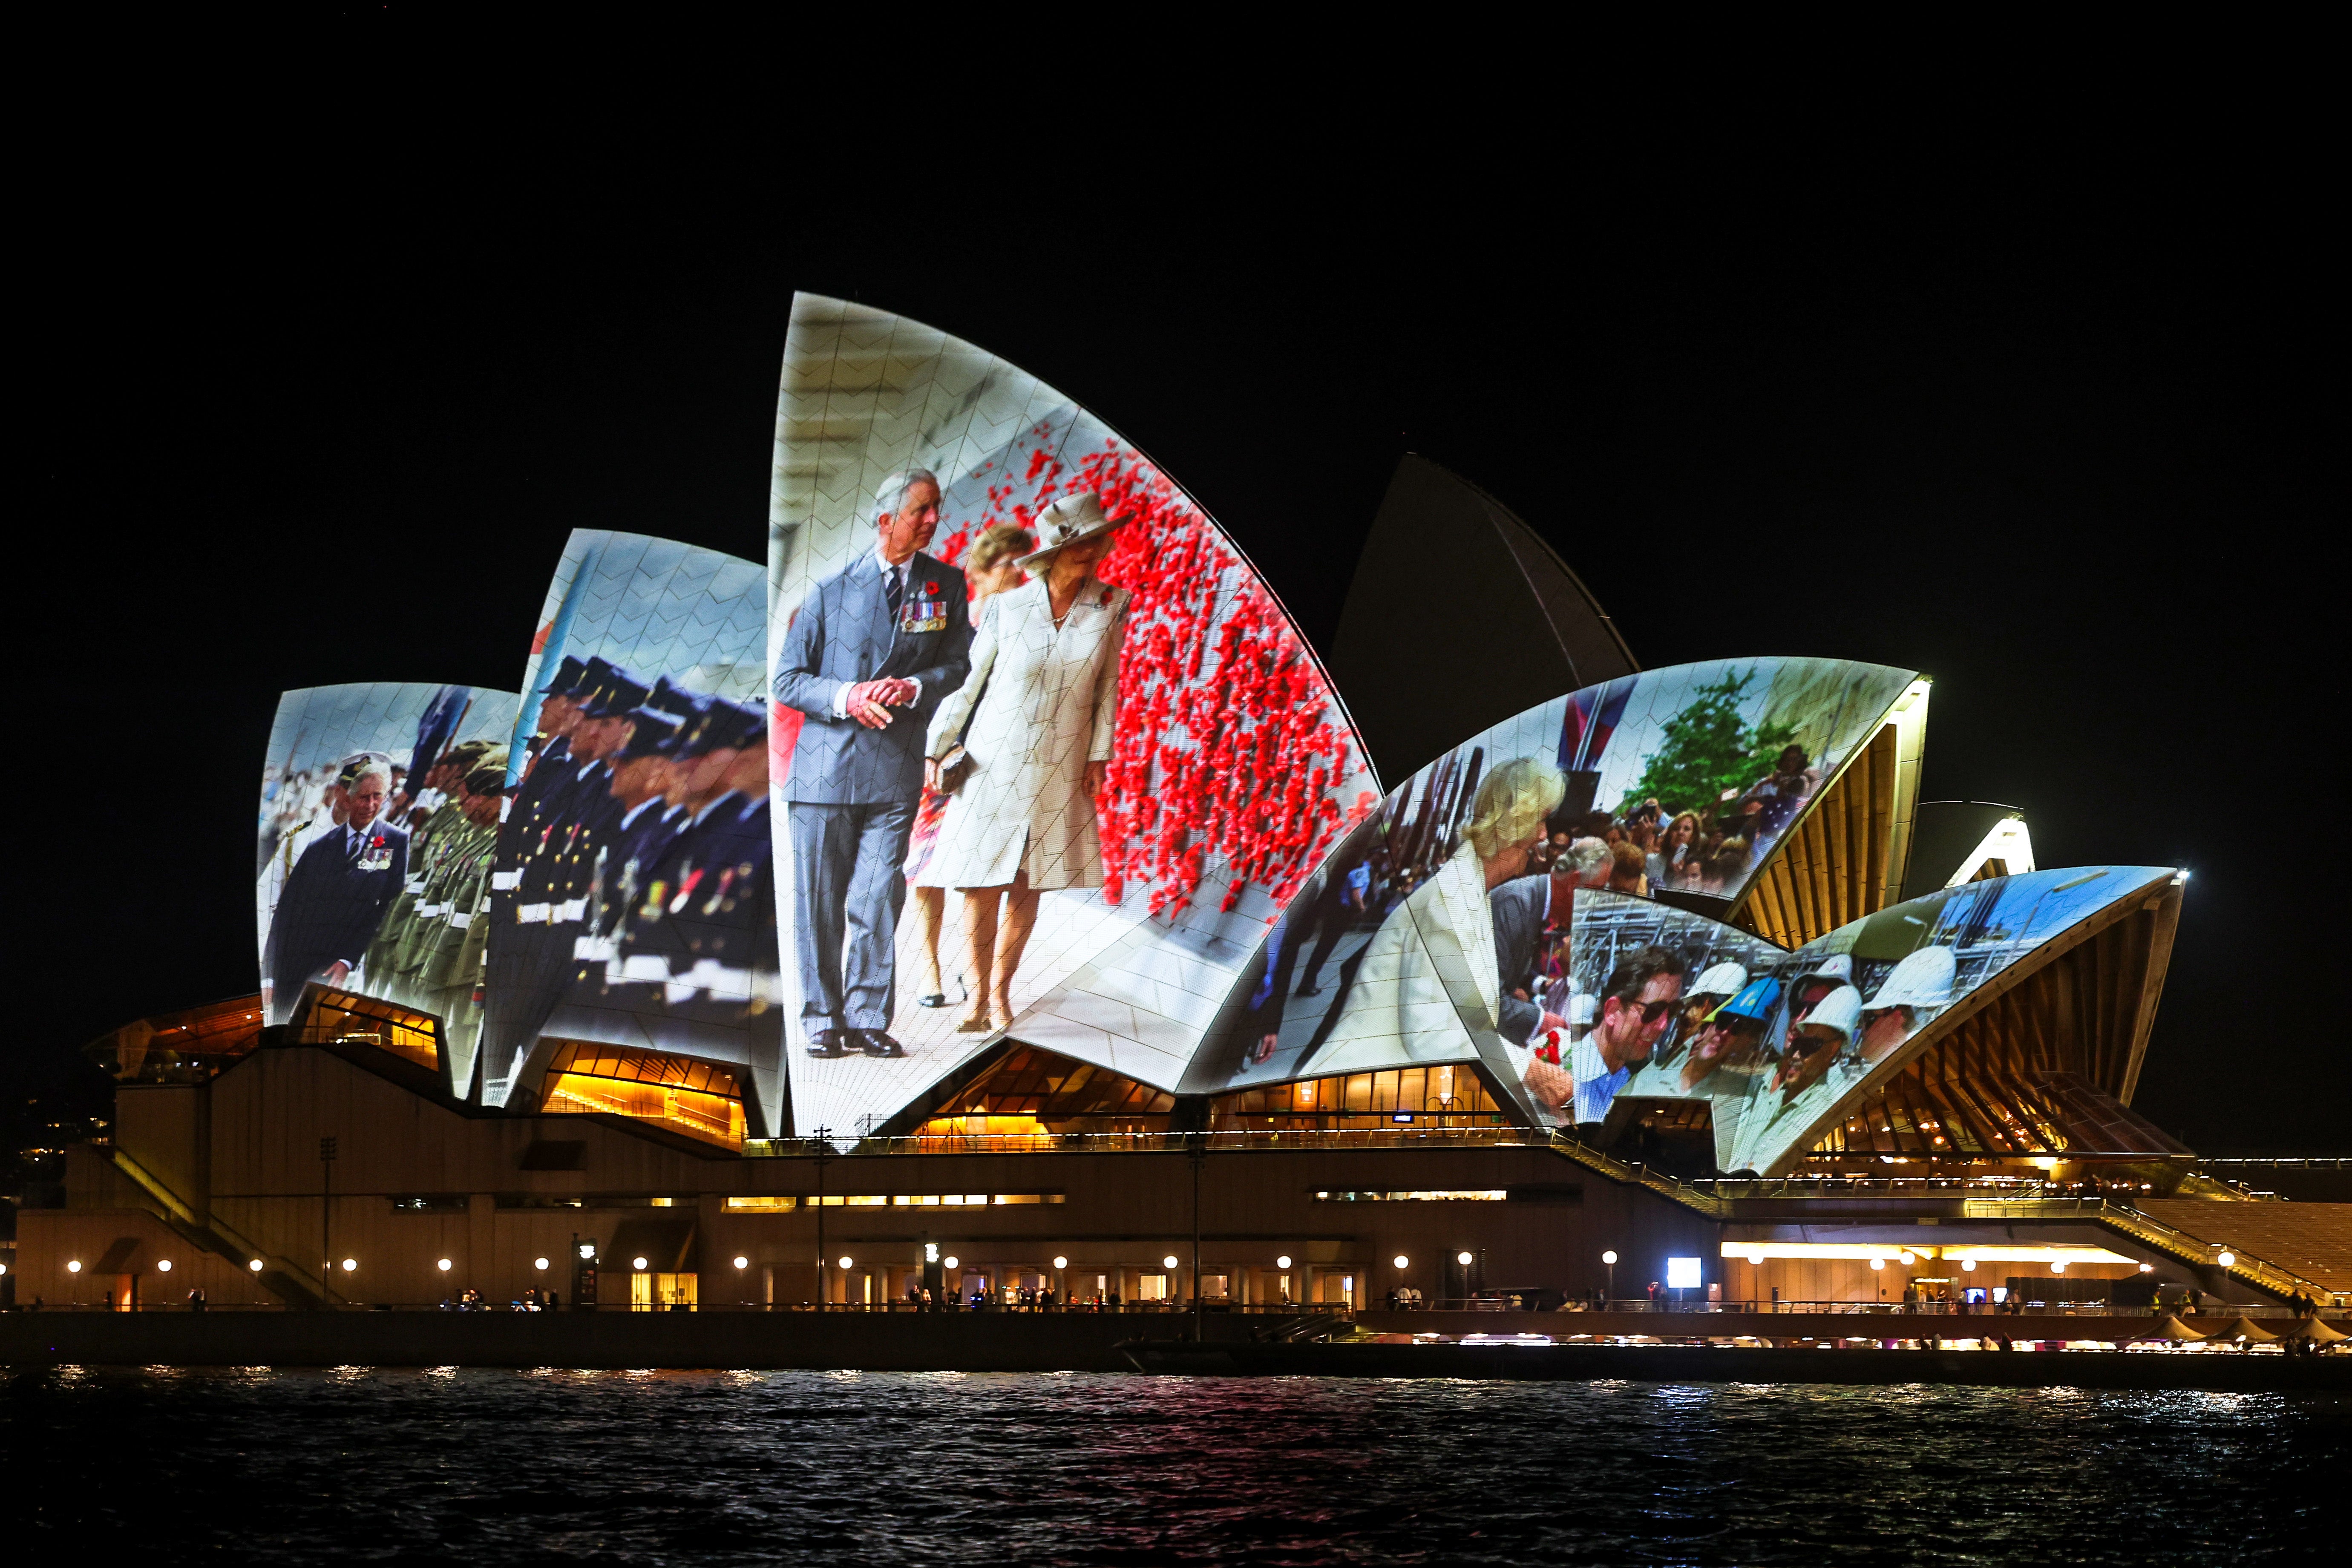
972,679
798,684
954,668
1517,906
1107,685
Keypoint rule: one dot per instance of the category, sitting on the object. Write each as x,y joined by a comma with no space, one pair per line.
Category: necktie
893,590
358,838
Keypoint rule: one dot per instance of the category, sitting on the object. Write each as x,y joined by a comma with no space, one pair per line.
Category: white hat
1068,521
1837,966
1721,979
1583,1007
1840,1010
1924,978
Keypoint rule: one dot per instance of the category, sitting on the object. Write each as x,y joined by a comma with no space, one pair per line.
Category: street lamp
2228,1260
1610,1259
1283,1262
540,1264
1400,1260
638,1264
443,1265
742,1263
163,1266
255,1265
74,1267
350,1265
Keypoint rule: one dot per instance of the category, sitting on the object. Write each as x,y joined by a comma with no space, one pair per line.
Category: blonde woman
1454,944
992,566
1042,702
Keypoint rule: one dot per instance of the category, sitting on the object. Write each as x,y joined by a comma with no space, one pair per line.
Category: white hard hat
1837,966
1583,1008
1721,979
1840,1010
1924,978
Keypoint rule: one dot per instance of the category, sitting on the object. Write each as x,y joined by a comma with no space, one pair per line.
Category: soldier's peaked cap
566,679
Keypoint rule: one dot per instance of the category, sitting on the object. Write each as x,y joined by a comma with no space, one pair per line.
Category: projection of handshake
870,702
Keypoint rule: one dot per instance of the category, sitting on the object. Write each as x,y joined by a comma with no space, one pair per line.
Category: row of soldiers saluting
635,870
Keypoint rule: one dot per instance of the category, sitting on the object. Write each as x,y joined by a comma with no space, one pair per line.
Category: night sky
317,390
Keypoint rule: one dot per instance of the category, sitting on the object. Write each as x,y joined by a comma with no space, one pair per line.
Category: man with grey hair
339,891
867,660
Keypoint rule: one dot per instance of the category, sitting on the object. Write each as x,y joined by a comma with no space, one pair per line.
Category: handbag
955,767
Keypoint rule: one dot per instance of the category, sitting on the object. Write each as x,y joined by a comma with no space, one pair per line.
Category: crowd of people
1709,850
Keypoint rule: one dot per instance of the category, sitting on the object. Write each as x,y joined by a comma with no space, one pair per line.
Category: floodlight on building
538,1263
442,1265
255,1266
350,1265
74,1267
1462,1258
2147,1269
930,1252
636,1263
742,1263
1756,1259
2228,1260
163,1265
948,1262
1282,1261
843,1260
1060,1263
1168,1261
1400,1260
1610,1258
1908,1257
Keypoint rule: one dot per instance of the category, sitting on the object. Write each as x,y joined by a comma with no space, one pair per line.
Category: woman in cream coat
1042,705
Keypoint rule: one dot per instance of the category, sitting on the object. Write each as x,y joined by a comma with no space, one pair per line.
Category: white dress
1042,702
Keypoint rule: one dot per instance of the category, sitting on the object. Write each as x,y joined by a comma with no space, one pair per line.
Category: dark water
494,1468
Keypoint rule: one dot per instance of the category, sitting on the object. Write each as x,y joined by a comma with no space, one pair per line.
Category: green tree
1707,750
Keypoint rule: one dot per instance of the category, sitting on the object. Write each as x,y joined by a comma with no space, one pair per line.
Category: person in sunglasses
1636,1005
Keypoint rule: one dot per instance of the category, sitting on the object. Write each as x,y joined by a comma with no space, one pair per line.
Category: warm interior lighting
1756,1258
164,1265
1282,1261
1851,1252
1908,1259
444,1266
762,1205
2057,1265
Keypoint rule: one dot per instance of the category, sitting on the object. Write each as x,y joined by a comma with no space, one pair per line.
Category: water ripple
364,1466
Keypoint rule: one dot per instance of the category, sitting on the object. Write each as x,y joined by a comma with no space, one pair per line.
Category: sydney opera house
992,892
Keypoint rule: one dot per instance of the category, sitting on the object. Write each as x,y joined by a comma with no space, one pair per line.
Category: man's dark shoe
830,1043
878,1043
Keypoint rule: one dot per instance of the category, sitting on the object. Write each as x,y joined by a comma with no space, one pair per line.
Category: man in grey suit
868,656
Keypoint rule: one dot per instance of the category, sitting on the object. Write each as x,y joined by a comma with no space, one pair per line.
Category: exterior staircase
281,1278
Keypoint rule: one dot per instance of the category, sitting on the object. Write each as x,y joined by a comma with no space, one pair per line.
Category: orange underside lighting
715,1118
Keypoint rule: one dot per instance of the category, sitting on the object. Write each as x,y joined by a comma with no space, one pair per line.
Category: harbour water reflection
355,1465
